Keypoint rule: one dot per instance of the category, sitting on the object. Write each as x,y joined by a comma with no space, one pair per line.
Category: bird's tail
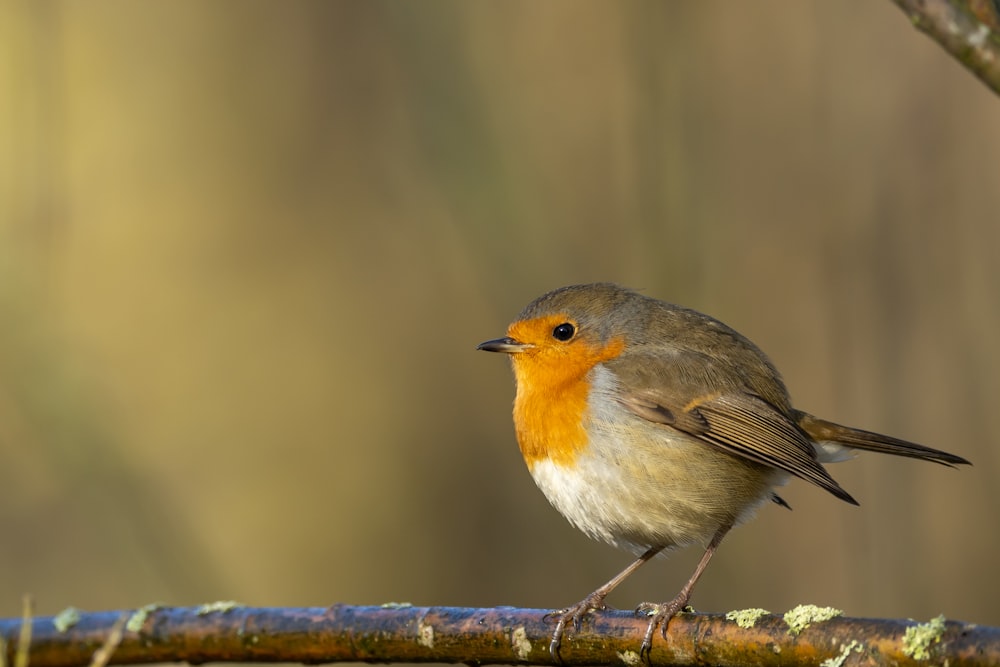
832,440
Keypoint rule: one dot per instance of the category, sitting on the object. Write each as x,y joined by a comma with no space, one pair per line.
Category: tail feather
821,430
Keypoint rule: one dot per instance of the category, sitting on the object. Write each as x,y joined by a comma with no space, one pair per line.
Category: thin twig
24,637
954,25
103,655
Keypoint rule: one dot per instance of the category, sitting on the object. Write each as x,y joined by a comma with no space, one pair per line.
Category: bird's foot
588,605
659,614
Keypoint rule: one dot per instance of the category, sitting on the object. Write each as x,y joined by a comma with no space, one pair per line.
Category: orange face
552,386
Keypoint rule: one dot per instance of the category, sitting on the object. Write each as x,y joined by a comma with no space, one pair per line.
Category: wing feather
734,420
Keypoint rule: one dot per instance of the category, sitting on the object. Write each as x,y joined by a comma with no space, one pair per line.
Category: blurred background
247,251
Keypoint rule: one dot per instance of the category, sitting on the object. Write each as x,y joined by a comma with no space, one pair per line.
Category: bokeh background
247,251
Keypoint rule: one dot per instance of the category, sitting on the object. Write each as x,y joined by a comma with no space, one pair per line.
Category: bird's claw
660,615
587,606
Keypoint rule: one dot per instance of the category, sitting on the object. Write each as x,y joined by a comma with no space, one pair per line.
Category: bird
651,426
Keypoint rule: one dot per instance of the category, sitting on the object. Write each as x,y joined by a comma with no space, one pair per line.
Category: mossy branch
967,29
399,633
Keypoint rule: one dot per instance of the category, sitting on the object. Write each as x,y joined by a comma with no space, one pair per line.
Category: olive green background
247,251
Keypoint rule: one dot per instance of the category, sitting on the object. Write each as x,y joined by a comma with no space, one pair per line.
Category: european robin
651,426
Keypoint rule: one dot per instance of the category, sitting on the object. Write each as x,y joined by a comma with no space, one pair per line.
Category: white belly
640,484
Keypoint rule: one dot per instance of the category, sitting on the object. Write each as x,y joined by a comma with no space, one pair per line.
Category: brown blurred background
247,250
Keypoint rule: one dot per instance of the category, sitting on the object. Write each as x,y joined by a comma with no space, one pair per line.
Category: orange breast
550,410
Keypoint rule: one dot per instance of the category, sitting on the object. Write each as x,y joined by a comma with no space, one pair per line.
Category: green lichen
396,605
222,606
917,639
801,617
425,635
520,643
139,616
845,650
746,618
66,619
629,658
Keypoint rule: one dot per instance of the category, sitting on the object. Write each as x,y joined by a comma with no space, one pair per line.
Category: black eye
564,331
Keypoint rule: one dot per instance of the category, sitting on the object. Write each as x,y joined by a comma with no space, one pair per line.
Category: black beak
505,344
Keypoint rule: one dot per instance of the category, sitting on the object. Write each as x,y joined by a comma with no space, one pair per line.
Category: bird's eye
564,331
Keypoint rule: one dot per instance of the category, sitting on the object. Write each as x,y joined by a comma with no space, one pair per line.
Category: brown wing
722,414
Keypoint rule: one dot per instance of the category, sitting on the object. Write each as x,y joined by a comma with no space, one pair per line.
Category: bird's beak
505,344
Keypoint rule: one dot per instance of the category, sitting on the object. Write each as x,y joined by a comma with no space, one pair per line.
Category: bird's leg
661,613
592,602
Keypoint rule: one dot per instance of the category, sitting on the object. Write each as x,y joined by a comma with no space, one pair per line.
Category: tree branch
967,29
400,633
